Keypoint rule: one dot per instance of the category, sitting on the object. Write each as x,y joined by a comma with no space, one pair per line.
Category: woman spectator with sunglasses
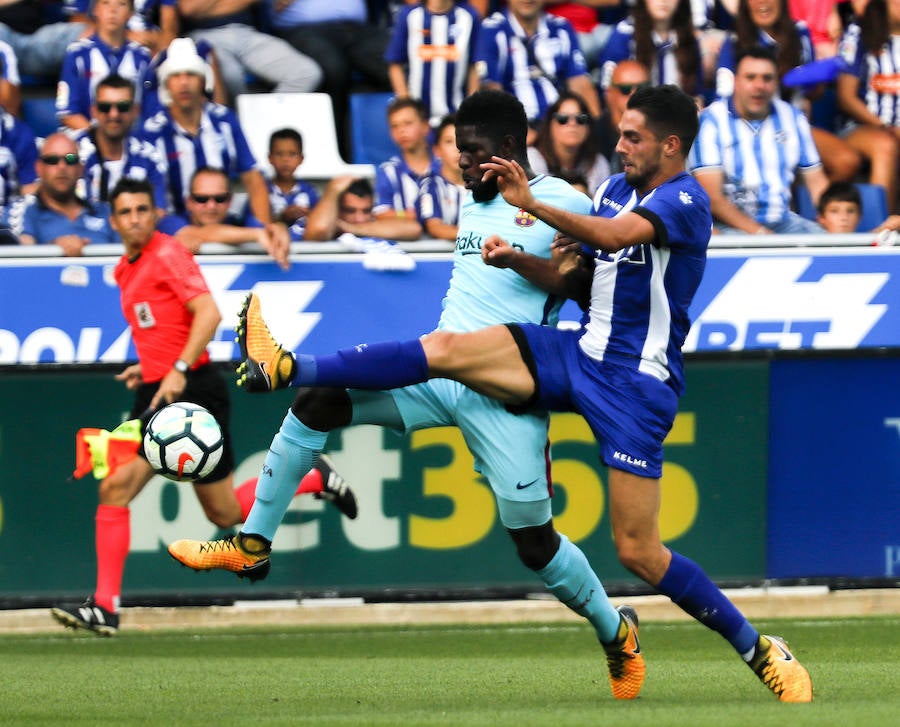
660,35
566,143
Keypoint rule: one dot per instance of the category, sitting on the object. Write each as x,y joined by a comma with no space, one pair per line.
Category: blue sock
368,366
691,589
570,578
290,457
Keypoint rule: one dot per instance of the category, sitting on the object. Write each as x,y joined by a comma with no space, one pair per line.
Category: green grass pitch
523,674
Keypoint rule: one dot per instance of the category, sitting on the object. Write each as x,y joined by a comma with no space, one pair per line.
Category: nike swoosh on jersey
520,486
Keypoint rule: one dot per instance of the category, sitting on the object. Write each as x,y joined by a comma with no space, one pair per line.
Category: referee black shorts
206,387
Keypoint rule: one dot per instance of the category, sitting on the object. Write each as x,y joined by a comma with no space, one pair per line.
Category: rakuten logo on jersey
764,305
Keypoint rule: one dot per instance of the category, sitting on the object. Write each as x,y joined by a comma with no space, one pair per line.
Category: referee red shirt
154,289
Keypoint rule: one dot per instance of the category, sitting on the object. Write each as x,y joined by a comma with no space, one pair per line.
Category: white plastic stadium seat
309,113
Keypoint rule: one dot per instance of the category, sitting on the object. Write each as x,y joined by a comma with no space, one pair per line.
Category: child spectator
430,54
840,211
290,198
840,208
441,194
397,180
94,58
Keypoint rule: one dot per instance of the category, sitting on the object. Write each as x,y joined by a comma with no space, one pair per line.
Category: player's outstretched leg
266,366
624,657
88,616
247,556
780,671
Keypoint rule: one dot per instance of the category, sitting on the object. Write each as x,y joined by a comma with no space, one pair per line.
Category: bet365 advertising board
755,468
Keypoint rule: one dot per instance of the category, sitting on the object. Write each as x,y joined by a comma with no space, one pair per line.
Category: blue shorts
630,413
511,450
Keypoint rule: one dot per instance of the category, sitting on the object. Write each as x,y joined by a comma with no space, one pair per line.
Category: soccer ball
183,442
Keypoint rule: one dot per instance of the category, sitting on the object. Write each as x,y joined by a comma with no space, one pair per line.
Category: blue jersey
480,295
139,161
397,186
878,74
758,158
87,62
302,194
437,50
18,154
621,46
533,69
638,314
30,216
220,143
439,199
728,56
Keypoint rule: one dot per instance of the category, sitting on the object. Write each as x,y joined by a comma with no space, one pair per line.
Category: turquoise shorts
511,450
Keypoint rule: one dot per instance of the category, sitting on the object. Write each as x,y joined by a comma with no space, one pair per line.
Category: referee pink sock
112,538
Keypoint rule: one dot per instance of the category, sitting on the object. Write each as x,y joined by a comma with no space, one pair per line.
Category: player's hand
72,245
511,180
170,388
131,375
565,252
497,252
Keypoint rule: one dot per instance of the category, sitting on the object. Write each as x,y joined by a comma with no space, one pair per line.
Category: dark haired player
172,317
510,450
623,371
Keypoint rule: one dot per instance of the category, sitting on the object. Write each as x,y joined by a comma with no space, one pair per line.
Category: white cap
182,57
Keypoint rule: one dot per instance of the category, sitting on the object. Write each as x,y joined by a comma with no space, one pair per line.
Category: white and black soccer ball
183,442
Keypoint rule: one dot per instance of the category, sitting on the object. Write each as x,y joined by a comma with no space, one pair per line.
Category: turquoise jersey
480,295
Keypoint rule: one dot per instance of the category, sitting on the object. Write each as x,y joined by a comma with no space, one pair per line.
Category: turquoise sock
570,578
290,457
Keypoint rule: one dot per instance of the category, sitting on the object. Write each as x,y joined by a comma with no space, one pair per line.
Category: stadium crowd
792,93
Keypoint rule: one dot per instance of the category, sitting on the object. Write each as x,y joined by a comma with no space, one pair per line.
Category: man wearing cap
190,132
240,48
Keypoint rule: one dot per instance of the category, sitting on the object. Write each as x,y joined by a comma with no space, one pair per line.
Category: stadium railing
718,242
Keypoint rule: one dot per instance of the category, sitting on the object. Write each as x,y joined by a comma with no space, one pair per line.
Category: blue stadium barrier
40,115
369,128
874,205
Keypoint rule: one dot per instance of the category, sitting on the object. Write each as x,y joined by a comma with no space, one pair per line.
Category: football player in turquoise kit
623,371
510,449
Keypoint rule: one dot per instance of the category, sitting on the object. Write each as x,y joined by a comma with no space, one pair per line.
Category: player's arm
565,274
603,233
206,319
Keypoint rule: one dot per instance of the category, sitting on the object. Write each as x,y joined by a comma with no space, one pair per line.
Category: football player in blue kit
510,449
622,371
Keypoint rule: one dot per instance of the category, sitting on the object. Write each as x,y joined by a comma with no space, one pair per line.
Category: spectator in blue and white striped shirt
441,194
92,59
533,56
191,132
430,54
748,150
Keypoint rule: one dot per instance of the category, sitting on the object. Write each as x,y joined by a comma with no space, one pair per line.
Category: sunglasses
204,198
123,107
580,119
627,88
54,159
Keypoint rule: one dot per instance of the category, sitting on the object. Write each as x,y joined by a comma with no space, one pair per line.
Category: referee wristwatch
181,366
